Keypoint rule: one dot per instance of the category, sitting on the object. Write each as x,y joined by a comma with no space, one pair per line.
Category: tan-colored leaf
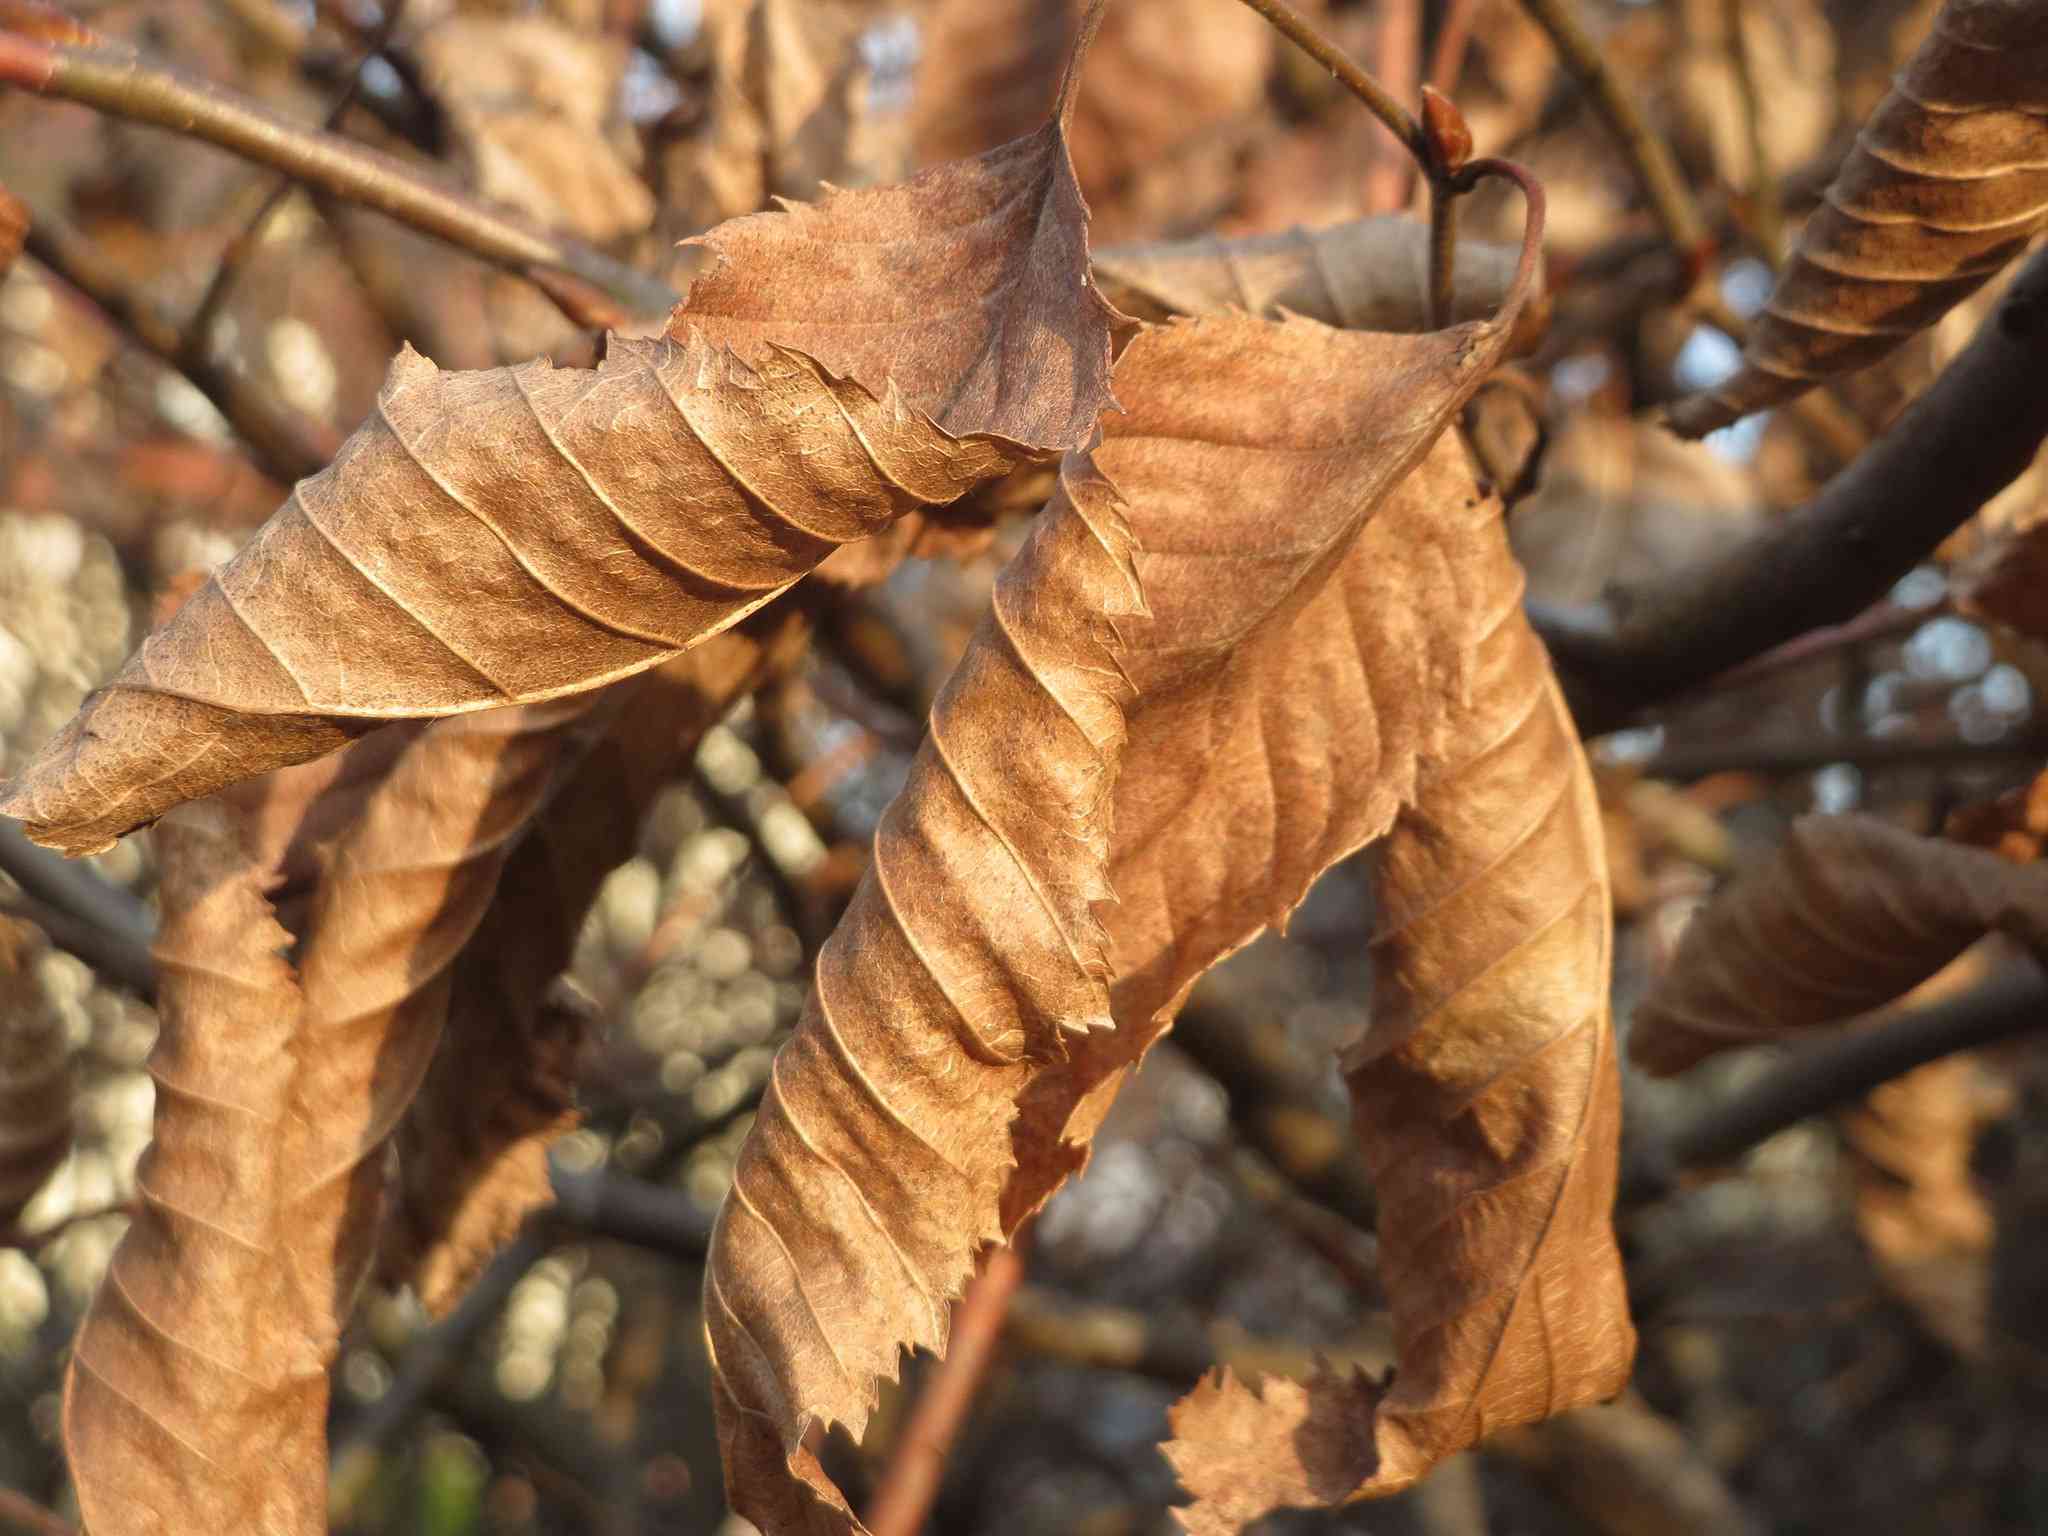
524,534
530,105
473,1147
972,971
1947,183
197,1393
36,1091
1371,274
1849,914
1488,1105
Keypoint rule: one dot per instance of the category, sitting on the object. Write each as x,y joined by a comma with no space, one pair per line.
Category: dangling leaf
1947,183
1489,1109
1849,914
972,972
525,534
197,1393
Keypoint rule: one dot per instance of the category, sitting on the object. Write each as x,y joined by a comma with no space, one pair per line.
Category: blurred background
1843,1330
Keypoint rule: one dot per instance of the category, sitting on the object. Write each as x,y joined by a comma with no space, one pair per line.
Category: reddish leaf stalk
911,1480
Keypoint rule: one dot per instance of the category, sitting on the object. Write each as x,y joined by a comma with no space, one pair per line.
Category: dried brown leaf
529,103
972,972
1849,914
36,1091
1369,274
473,1148
519,535
197,1393
1488,1106
1947,183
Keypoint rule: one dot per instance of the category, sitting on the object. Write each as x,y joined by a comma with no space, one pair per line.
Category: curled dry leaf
36,1091
473,1150
197,1393
1849,914
1488,1106
524,534
971,976
971,950
1947,183
1370,274
528,102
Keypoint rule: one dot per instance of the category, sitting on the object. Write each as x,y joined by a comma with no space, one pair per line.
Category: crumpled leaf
523,534
1488,1106
36,1091
473,1147
1370,274
529,103
972,971
1947,183
1849,914
197,1393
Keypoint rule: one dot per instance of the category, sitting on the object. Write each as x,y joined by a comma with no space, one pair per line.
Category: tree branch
1301,32
1838,1071
1970,435
286,444
120,83
97,921
1654,164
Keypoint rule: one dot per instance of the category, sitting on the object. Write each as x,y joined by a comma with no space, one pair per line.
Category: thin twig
286,444
1453,37
1443,257
910,1481
1805,754
1298,30
120,83
1765,213
116,927
23,1513
196,350
1655,166
1966,438
1840,1071
1397,53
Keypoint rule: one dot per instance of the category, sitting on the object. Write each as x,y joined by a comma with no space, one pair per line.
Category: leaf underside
1947,182
1848,915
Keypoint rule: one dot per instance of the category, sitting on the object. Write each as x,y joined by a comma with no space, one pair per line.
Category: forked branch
122,84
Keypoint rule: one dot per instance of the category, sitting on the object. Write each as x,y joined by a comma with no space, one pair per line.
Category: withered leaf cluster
1268,617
